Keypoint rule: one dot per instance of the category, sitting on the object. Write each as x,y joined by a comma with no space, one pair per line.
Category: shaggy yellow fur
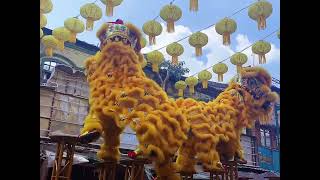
122,95
215,127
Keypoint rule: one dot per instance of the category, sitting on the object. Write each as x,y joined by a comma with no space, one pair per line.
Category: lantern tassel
49,51
109,8
170,26
73,37
205,84
180,92
220,77
239,69
174,60
264,61
226,39
262,24
89,24
191,89
193,5
152,40
198,51
61,45
155,68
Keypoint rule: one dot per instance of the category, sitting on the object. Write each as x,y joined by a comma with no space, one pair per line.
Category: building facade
64,104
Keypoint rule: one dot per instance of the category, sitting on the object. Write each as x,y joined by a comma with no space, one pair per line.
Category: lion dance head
255,88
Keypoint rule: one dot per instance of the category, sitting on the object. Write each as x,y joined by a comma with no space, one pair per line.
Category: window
47,69
262,139
265,139
268,139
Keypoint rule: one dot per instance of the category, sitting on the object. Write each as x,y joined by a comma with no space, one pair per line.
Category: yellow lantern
91,12
278,34
194,5
204,76
261,48
259,12
170,14
191,82
181,86
174,50
45,6
198,40
41,33
143,42
225,27
239,59
110,4
43,21
152,29
155,58
220,69
61,34
50,43
75,26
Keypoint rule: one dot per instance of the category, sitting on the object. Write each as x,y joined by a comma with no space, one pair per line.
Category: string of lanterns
219,68
258,11
237,58
73,25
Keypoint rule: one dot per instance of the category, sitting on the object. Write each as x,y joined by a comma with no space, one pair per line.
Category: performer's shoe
89,137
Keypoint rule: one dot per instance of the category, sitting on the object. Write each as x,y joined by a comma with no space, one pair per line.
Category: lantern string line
265,37
171,2
233,14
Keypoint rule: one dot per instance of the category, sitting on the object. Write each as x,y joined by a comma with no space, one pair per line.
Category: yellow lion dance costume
121,95
216,126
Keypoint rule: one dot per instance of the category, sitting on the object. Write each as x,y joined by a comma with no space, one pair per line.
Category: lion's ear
137,33
101,31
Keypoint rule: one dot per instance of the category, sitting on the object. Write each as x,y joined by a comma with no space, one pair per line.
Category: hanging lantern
204,76
75,26
220,69
144,63
278,34
50,43
61,34
193,5
43,21
181,86
174,50
91,12
143,42
155,58
225,27
41,33
191,82
259,12
261,48
170,14
198,40
45,6
152,29
239,59
110,4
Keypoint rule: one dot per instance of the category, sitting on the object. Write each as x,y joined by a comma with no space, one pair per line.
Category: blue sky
140,11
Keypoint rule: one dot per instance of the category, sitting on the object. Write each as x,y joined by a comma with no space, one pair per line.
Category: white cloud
216,51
